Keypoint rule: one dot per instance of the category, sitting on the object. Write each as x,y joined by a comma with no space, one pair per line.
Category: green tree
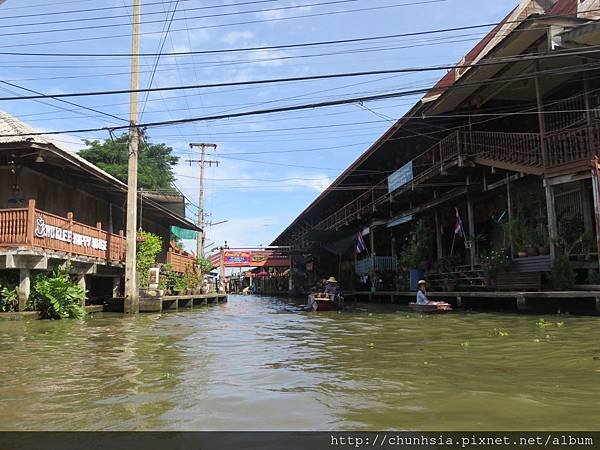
156,161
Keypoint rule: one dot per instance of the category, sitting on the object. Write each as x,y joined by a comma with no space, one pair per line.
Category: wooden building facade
501,155
57,207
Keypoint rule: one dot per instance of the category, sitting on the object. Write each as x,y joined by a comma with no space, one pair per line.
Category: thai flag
458,228
360,244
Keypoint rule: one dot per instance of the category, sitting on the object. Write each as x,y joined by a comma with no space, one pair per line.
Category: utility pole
132,300
203,162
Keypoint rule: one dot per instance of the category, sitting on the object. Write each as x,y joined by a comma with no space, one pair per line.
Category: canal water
264,364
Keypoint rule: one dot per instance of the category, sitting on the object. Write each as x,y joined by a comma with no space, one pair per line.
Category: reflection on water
263,363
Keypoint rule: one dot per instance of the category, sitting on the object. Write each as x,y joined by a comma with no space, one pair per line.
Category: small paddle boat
325,302
431,307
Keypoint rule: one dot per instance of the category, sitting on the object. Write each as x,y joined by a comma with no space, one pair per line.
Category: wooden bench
519,281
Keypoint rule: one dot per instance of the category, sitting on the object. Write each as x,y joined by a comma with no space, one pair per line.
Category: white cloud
233,37
316,183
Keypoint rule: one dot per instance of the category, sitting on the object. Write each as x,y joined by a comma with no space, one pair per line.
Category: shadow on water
265,363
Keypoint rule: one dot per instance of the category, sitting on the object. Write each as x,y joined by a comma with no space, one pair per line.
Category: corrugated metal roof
10,125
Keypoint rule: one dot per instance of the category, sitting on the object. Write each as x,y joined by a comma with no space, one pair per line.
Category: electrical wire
96,27
294,45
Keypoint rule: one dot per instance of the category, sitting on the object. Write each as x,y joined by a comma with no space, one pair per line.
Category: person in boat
422,293
332,287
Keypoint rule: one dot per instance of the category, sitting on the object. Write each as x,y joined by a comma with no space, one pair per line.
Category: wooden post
372,241
588,112
471,219
30,221
70,220
597,304
24,288
459,149
509,210
585,203
82,284
222,272
596,193
438,237
121,246
552,225
393,254
541,118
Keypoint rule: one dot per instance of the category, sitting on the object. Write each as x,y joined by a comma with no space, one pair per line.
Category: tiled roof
561,7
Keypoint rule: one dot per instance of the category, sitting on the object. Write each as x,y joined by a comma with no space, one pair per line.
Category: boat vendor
332,287
422,293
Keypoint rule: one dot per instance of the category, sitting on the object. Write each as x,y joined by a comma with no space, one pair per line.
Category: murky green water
260,364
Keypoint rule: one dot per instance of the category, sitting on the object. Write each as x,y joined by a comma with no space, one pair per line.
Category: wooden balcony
180,260
518,152
36,230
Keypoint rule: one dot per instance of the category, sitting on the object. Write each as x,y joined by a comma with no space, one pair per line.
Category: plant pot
532,251
521,254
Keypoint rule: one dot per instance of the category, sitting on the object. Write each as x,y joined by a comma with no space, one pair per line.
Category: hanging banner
400,177
182,233
237,259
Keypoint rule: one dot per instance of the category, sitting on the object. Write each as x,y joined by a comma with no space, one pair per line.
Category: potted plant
493,262
542,241
531,243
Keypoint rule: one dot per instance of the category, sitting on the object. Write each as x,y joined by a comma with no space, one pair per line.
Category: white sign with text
45,231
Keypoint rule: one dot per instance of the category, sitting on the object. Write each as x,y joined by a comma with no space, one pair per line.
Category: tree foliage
155,162
204,265
148,248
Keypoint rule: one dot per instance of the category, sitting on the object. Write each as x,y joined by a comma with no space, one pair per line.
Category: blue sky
268,173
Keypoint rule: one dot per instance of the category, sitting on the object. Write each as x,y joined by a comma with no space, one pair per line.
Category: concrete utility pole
203,162
132,300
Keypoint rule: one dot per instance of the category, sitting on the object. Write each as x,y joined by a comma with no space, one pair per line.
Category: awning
399,221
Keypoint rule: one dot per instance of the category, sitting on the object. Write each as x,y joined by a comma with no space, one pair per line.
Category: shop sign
237,258
400,177
45,231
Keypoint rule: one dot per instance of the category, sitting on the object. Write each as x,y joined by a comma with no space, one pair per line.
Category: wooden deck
171,303
523,300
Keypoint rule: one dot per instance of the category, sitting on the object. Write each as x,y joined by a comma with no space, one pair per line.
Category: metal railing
377,264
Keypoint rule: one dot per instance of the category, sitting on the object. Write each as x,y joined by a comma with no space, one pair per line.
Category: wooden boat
431,307
325,302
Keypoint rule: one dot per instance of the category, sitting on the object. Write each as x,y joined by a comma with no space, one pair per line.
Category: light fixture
40,158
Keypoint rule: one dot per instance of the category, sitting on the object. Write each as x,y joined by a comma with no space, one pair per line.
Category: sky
271,166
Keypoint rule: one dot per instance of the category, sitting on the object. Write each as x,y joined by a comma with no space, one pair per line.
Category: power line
315,77
346,101
208,16
162,46
107,8
64,101
288,46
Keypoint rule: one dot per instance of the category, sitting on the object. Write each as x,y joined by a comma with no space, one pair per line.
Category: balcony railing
35,229
377,264
181,261
521,150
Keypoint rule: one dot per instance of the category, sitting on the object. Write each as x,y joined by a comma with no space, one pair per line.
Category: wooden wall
59,197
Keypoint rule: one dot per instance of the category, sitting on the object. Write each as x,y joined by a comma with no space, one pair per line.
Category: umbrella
262,273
